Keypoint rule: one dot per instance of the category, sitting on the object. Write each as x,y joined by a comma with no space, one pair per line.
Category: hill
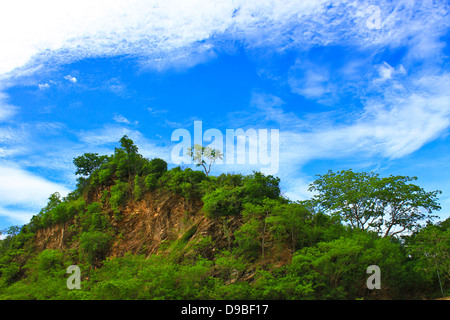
137,230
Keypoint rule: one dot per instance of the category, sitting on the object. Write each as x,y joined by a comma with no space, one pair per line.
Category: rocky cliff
146,225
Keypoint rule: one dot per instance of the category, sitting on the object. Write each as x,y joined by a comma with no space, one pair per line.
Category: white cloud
85,28
156,112
311,81
71,79
43,86
23,194
183,33
107,135
387,72
121,119
296,189
402,124
393,124
116,86
178,32
110,135
6,110
18,186
17,217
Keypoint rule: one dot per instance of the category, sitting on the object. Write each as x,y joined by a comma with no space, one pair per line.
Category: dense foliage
275,248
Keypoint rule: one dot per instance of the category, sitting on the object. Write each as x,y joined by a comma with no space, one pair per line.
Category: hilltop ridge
140,231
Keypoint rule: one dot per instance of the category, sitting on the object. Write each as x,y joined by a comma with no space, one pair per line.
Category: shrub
222,202
9,273
151,181
104,176
186,183
256,187
95,218
248,239
118,195
50,260
94,245
189,234
229,180
337,269
155,166
137,190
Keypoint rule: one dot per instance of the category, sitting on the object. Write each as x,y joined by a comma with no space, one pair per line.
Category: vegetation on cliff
140,231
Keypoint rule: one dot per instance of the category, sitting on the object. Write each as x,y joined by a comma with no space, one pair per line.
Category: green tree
198,154
137,190
431,246
152,171
223,201
255,228
128,145
337,269
94,245
88,163
12,231
45,215
119,193
49,260
104,176
186,183
156,166
127,160
388,205
256,187
94,219
291,221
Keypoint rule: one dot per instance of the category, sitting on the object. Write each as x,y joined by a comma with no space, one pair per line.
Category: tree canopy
388,206
88,163
198,154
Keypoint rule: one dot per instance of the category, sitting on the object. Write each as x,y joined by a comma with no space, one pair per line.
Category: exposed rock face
146,224
56,236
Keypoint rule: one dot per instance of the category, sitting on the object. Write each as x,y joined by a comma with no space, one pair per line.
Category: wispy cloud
116,86
312,81
43,86
6,110
108,136
121,119
23,192
17,216
398,115
391,125
71,79
156,112
185,32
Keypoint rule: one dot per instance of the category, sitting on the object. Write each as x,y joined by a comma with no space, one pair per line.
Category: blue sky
348,84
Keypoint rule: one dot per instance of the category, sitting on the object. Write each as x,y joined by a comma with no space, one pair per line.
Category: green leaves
431,246
88,162
231,192
198,154
387,206
118,195
223,201
94,245
291,222
276,249
186,183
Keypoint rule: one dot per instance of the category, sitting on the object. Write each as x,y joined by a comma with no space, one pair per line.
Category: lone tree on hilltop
198,153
